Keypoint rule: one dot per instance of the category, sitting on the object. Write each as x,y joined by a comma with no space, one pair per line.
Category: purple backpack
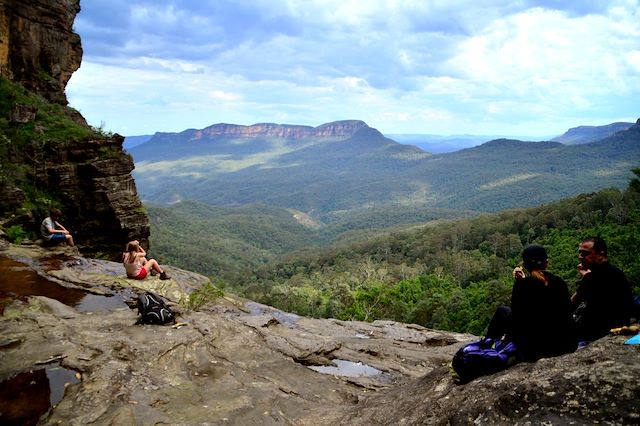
481,358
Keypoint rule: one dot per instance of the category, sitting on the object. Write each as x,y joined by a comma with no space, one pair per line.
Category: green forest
442,274
230,242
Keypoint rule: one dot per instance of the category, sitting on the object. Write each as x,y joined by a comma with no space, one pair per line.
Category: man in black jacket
603,299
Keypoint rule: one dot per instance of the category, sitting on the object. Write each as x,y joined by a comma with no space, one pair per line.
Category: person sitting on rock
136,263
603,299
539,320
538,324
53,232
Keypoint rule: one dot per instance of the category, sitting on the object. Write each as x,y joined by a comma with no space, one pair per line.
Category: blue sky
533,68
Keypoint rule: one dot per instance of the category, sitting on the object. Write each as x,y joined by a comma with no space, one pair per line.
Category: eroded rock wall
91,177
38,47
93,180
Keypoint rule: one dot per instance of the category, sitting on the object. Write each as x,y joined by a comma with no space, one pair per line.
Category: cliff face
337,129
38,47
84,171
93,181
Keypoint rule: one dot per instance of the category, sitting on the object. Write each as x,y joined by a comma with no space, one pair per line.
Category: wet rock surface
234,362
239,362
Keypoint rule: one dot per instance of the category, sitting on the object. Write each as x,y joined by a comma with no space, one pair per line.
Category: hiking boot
154,272
164,276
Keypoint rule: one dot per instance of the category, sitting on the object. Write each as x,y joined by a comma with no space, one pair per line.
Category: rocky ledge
238,362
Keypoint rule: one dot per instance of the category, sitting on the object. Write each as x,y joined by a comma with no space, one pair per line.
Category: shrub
205,294
16,234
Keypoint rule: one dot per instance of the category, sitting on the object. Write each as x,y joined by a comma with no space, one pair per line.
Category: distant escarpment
586,134
224,137
49,156
336,129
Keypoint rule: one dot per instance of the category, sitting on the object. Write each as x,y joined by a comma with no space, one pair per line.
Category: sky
442,67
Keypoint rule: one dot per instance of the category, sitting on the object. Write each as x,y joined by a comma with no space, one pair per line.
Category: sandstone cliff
49,154
338,129
38,47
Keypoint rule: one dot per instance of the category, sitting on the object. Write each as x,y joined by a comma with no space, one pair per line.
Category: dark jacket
542,324
605,301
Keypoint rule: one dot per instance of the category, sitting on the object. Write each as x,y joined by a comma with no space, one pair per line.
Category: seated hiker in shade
541,312
53,232
603,299
538,324
137,265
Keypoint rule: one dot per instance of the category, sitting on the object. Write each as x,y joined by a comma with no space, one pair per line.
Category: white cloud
408,65
224,96
547,57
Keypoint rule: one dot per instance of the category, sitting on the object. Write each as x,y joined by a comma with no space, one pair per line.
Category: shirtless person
136,263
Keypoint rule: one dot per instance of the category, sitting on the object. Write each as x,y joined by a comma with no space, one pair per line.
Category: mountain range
438,144
344,167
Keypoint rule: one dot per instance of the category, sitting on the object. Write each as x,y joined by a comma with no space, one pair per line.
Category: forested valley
442,274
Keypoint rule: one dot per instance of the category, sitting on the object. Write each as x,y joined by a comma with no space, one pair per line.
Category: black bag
153,310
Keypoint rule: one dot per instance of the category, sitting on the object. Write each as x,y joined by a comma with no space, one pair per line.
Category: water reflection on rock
347,369
19,281
25,397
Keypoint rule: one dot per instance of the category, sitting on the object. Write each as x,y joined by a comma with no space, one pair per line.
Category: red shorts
141,275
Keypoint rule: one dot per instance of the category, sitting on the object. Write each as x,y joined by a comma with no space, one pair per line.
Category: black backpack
153,310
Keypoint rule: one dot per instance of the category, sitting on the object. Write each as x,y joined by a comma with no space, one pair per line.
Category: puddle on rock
25,397
18,281
55,262
347,369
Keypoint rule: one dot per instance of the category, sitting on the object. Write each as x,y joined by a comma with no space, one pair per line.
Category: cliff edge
238,362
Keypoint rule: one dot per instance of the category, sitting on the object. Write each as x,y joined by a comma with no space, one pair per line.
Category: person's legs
152,271
61,238
57,239
152,265
500,323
